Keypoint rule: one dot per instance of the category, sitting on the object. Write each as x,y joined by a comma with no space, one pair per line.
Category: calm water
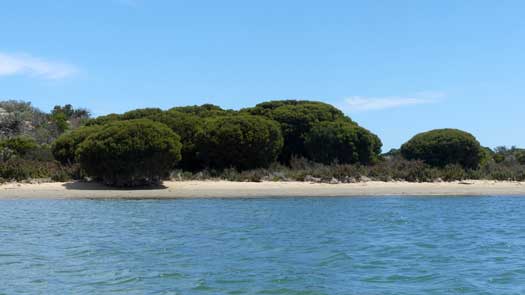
378,245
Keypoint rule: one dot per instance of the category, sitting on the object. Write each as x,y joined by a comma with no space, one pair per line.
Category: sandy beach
225,189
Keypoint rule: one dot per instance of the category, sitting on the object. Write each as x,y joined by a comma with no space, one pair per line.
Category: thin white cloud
359,103
23,64
363,103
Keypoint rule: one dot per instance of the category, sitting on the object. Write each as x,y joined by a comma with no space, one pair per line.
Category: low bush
20,169
20,146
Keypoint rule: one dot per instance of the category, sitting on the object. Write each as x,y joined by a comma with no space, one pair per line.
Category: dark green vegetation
444,147
343,142
130,153
65,147
297,119
242,142
275,140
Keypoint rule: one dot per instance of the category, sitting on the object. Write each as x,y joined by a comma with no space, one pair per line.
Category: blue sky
396,67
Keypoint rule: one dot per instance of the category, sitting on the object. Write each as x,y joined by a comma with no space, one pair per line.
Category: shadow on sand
94,186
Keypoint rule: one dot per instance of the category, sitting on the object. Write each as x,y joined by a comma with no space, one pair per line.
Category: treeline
125,150
275,140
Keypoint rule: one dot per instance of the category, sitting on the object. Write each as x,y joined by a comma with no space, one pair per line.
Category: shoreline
227,189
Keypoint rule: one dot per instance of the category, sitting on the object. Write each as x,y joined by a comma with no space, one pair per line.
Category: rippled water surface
369,245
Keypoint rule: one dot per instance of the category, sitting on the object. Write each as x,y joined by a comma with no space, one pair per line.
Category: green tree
102,120
185,121
342,142
68,117
70,112
188,127
296,118
60,121
486,155
203,111
242,142
65,147
142,113
444,147
130,153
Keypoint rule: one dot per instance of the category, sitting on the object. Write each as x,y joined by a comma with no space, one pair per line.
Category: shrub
443,147
398,168
130,153
487,155
18,169
61,175
452,173
520,156
499,158
241,142
185,121
341,142
102,120
41,153
141,113
60,122
296,118
203,111
65,147
20,146
188,127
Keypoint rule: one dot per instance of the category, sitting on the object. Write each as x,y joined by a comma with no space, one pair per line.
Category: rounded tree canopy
141,113
312,111
188,127
65,147
296,118
102,120
204,111
242,142
342,142
130,153
443,147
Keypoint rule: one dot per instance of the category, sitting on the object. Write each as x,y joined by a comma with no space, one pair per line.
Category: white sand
225,189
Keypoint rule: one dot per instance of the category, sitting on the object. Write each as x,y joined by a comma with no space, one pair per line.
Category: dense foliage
297,117
443,147
275,140
203,111
341,142
242,142
65,147
142,113
182,120
189,128
101,120
22,158
130,153
19,146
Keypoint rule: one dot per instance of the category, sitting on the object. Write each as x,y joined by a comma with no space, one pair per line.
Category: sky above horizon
395,67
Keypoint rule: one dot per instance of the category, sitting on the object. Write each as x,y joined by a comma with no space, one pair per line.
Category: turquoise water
373,245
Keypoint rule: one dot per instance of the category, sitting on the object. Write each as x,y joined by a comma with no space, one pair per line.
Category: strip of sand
226,189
